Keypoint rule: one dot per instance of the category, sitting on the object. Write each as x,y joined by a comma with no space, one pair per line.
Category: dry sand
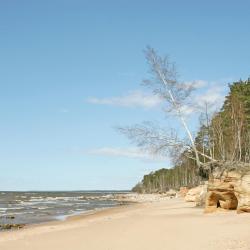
164,225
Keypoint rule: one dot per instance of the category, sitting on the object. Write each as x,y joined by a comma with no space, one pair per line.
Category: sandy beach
168,224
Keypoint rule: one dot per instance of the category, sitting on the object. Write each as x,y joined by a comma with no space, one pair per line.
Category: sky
71,71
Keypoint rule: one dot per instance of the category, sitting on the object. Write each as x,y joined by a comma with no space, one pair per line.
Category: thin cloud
208,92
200,83
139,98
197,84
133,99
187,110
214,97
126,153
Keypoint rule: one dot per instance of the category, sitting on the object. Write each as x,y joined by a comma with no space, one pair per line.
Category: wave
32,207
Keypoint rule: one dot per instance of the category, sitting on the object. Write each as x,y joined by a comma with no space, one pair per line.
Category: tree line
223,136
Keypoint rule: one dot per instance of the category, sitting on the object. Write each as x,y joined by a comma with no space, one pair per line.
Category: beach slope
171,224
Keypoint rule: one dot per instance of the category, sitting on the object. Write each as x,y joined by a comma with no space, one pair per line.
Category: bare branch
154,139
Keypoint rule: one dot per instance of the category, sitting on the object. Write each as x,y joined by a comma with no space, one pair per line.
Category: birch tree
164,82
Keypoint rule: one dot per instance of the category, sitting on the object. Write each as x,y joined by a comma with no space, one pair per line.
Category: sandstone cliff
229,188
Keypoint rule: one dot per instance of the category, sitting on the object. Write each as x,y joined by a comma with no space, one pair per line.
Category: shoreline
166,224
94,213
122,199
41,207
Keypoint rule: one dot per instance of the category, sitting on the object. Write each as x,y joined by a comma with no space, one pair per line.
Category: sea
38,207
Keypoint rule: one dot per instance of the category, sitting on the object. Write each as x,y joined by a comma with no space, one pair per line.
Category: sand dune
164,225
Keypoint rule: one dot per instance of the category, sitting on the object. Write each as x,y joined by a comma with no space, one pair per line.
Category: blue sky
70,71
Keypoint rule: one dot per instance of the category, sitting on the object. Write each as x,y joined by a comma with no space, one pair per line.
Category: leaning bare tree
164,83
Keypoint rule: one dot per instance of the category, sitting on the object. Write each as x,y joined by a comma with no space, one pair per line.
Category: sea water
37,207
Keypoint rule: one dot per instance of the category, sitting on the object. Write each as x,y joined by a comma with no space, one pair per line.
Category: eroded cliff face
229,189
242,191
197,195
